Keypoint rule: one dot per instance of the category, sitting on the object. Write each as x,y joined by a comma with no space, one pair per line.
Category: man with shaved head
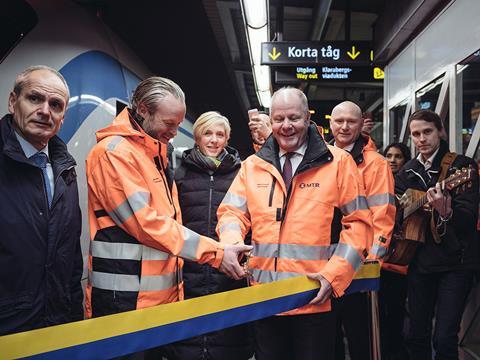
346,123
291,194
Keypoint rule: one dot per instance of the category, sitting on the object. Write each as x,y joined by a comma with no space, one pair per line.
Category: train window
397,114
427,98
469,70
17,18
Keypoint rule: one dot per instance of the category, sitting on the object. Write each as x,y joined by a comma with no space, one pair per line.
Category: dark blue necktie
41,159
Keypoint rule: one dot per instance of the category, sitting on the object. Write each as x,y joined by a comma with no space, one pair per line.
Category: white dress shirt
296,157
348,148
427,164
29,150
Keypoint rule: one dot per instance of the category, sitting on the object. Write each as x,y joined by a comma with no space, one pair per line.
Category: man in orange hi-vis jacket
305,206
135,220
346,123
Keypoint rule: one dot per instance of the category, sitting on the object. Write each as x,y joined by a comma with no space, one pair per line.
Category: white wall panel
400,74
450,38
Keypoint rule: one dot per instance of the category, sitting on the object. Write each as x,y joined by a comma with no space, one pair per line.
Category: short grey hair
152,90
298,92
22,77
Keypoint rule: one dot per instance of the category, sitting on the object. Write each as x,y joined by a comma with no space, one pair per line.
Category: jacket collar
316,154
58,153
357,151
438,158
417,165
230,161
415,168
126,125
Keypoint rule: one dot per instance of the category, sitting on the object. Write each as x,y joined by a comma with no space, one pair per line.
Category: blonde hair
208,119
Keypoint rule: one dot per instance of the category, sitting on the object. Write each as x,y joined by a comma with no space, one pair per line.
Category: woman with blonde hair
202,179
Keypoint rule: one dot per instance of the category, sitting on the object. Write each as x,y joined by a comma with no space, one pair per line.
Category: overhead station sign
333,73
349,53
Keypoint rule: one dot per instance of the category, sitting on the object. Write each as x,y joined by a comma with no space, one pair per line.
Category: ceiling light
255,15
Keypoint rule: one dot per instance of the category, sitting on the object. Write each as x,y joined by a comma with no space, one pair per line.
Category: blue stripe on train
98,76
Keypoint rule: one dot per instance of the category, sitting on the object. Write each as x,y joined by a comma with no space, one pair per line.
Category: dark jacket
200,192
40,256
459,248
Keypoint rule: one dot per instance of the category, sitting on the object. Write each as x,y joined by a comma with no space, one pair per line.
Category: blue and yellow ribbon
129,332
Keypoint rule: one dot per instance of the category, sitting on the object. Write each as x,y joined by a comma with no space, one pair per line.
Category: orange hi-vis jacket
320,225
379,186
135,224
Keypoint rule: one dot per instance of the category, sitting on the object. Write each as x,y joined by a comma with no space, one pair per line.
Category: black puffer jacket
201,191
459,247
40,257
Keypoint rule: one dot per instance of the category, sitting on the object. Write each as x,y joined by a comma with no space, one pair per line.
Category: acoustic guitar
416,215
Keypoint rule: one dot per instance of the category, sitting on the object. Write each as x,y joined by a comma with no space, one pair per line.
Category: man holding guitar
441,272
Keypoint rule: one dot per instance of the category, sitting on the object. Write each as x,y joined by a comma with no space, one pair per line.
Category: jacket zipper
166,186
210,205
178,277
284,211
45,195
272,190
56,181
205,350
161,169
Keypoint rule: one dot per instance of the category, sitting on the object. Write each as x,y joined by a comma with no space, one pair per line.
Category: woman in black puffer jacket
202,179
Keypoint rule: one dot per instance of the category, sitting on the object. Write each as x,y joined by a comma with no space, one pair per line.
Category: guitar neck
461,176
417,204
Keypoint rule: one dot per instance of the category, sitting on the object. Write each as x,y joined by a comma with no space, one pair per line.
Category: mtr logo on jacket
309,185
321,224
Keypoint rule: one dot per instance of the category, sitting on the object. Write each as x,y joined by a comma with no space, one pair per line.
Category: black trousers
301,337
353,316
392,301
442,295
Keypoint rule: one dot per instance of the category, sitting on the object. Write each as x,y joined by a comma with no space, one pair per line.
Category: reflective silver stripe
381,199
158,282
378,251
230,226
304,252
359,203
114,282
113,144
236,201
268,276
117,251
293,251
120,282
150,253
190,246
133,203
350,254
265,250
